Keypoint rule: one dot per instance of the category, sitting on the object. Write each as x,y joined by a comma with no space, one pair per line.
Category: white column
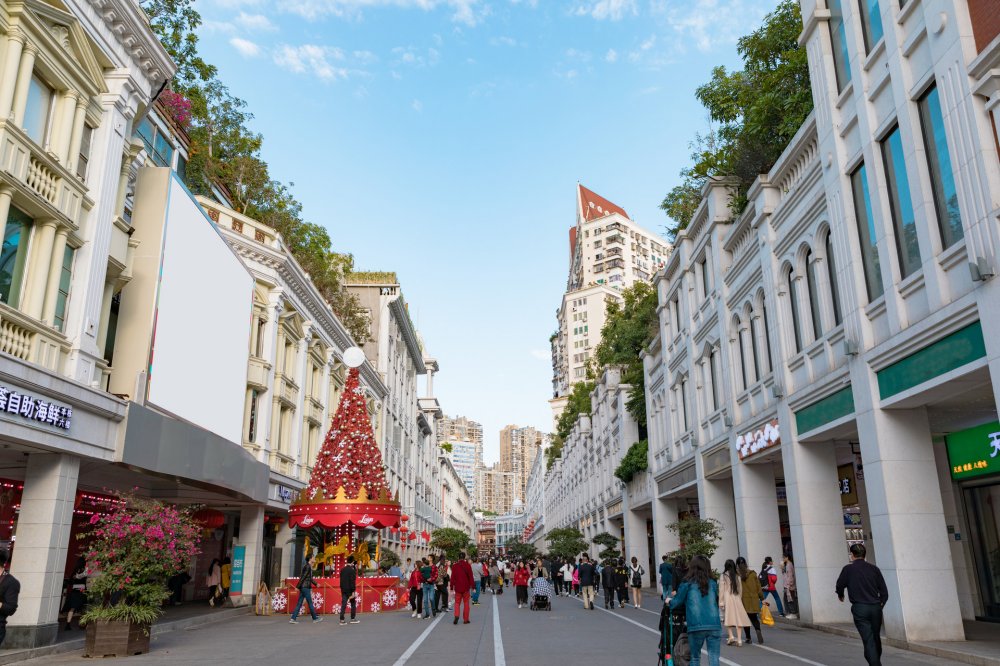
806,330
6,192
11,63
252,537
24,71
298,449
908,525
39,560
42,240
816,522
757,511
715,500
76,136
102,334
664,513
55,273
285,540
62,125
269,400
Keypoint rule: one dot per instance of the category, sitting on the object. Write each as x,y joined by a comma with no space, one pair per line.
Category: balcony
257,372
614,251
617,238
314,411
36,170
30,340
288,391
282,464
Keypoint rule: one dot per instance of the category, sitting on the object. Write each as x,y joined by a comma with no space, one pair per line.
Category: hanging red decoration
404,529
425,535
209,519
412,537
403,518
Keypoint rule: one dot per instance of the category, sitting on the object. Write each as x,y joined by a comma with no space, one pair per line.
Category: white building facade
830,382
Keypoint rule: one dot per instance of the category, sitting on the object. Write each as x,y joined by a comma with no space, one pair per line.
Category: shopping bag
765,615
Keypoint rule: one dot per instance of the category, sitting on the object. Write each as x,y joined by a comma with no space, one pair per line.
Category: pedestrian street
499,634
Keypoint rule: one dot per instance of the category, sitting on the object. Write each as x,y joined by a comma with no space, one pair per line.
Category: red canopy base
376,594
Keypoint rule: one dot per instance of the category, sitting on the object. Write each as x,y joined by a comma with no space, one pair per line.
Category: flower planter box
115,639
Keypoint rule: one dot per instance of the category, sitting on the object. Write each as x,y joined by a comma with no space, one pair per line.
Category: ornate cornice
130,26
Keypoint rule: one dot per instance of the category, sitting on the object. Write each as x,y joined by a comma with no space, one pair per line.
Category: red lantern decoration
403,518
209,519
412,537
404,529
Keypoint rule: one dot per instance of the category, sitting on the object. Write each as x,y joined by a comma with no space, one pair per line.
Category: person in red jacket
462,581
416,592
521,575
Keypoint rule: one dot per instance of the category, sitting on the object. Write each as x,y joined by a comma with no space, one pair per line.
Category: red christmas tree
350,457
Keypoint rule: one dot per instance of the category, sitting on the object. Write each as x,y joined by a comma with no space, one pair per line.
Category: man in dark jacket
305,586
621,581
609,583
868,594
348,588
10,588
588,576
462,580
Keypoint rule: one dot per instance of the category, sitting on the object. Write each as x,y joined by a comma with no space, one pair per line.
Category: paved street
566,634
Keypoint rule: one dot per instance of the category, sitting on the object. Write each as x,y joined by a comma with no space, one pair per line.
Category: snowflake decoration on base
279,602
389,598
317,600
376,607
335,610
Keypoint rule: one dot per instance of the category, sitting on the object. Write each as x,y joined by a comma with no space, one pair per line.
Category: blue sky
443,139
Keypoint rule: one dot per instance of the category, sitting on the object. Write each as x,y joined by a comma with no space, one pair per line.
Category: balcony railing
38,171
289,393
30,340
257,372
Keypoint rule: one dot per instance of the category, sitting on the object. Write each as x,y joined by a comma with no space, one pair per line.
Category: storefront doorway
982,504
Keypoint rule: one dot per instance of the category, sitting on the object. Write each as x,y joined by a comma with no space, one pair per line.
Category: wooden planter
115,639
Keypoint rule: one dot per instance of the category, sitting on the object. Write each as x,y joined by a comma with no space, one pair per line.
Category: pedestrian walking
462,580
576,578
541,571
443,579
76,591
10,589
496,580
680,571
621,581
635,574
225,578
734,615
791,594
698,594
567,577
753,596
768,580
214,581
555,571
666,572
588,576
484,576
349,590
416,592
868,594
521,575
609,584
427,578
305,586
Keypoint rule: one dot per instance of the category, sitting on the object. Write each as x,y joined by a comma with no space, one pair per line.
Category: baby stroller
673,648
541,594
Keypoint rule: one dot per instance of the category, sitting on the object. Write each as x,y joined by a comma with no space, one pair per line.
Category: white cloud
467,12
711,23
313,59
541,354
503,40
257,22
414,57
608,9
246,48
611,56
417,105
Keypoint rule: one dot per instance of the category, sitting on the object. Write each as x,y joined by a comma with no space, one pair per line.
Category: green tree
635,461
566,543
697,536
451,541
757,110
519,550
578,402
609,547
629,326
389,558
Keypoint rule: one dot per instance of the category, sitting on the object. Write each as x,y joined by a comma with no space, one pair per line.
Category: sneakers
456,620
465,622
355,621
414,614
317,619
211,602
519,605
293,621
343,622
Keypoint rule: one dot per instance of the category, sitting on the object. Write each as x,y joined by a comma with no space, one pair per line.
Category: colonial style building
828,379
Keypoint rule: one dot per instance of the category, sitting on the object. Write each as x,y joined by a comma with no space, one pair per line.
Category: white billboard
201,322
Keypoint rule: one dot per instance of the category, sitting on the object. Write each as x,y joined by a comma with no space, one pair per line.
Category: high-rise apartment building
518,448
466,439
494,489
608,253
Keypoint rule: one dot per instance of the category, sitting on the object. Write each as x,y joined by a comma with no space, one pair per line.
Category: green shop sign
974,452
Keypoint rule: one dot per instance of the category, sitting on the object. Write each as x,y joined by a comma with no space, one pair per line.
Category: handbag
765,615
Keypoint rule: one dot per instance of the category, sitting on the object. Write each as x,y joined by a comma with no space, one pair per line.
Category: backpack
637,577
762,577
682,651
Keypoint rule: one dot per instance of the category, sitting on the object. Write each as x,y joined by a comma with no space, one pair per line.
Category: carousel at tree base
347,492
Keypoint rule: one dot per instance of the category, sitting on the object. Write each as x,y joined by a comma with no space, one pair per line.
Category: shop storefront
974,457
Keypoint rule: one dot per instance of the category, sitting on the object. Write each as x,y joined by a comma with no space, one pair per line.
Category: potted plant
135,547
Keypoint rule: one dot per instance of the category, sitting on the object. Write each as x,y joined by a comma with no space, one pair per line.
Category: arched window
713,374
813,289
738,359
794,308
831,268
752,333
744,361
766,349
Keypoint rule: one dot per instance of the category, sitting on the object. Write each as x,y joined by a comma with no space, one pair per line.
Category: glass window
838,39
84,157
65,277
146,132
871,23
252,429
14,255
744,372
834,289
684,405
939,165
901,203
37,110
109,344
182,167
163,152
866,233
794,305
715,380
767,336
812,286
704,278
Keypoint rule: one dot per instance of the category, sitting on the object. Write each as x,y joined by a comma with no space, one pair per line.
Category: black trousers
622,595
609,596
557,584
522,594
416,599
3,631
755,621
343,604
868,620
441,595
